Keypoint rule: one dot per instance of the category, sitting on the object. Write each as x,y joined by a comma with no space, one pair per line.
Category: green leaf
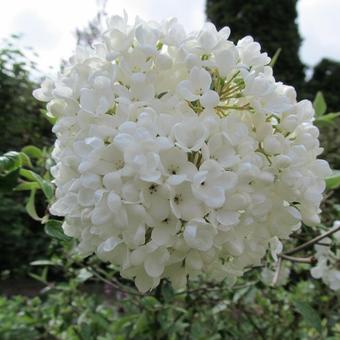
32,151
150,302
53,228
319,104
25,160
168,292
41,278
27,186
328,118
333,181
45,185
100,321
48,115
30,206
84,275
10,161
309,314
275,57
240,294
28,174
140,325
9,181
124,321
86,331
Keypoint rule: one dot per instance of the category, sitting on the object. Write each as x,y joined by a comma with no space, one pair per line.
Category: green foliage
43,184
275,57
328,124
22,239
328,118
330,141
15,175
320,108
309,314
10,161
22,124
32,151
319,104
272,23
90,310
64,313
53,229
333,181
326,76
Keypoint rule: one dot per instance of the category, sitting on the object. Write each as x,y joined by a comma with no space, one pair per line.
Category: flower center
153,188
119,164
173,169
178,199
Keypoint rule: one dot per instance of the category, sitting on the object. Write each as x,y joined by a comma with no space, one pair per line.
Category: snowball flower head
179,154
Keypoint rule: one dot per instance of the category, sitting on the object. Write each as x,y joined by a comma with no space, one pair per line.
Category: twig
313,241
323,244
310,260
277,272
214,289
113,284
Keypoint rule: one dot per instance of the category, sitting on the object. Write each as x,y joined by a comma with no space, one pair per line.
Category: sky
49,25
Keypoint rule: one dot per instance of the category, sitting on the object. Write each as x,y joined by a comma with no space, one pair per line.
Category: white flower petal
209,99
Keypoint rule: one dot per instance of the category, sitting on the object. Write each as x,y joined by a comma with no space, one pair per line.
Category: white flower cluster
328,265
179,154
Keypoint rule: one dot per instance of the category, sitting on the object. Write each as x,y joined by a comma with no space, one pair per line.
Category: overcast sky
49,25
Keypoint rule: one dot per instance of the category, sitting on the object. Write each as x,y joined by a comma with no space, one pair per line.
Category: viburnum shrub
180,154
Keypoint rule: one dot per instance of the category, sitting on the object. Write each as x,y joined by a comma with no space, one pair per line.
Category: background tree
22,123
326,75
87,35
272,23
20,114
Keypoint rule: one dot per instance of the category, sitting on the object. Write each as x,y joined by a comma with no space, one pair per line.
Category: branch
322,244
113,284
312,242
277,272
310,260
214,289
